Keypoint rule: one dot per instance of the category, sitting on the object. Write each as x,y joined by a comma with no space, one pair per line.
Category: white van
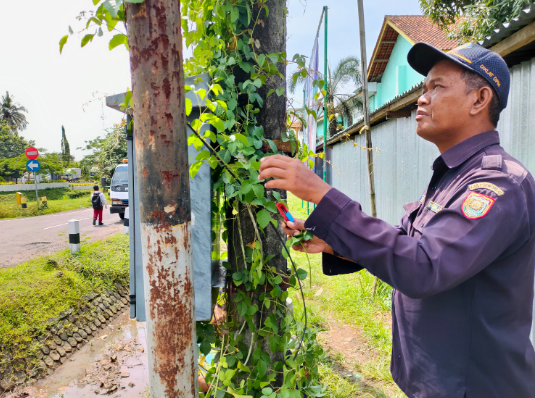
119,190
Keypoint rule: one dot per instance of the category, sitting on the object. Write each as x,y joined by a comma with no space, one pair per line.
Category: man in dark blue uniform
461,262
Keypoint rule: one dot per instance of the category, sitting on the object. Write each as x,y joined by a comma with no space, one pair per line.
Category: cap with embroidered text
422,57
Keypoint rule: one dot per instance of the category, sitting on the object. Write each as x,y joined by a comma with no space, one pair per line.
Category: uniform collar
461,152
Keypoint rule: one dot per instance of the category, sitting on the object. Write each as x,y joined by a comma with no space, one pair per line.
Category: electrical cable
207,145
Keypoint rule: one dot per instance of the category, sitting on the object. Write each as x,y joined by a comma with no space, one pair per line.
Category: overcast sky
68,89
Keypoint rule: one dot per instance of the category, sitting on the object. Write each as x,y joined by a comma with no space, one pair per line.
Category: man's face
444,105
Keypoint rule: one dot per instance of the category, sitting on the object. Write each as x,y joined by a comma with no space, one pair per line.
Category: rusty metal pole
155,41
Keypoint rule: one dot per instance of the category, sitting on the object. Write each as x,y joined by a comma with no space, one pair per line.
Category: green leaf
188,106
134,1
86,39
302,274
267,391
205,347
272,146
235,395
234,14
203,155
263,217
62,42
70,30
194,168
258,190
100,32
117,40
217,123
262,368
243,368
196,125
242,139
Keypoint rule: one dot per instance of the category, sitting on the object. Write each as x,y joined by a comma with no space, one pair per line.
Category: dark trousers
97,213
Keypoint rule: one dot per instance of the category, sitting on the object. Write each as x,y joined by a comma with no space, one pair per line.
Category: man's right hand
312,246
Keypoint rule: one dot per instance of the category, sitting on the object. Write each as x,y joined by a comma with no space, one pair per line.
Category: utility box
208,272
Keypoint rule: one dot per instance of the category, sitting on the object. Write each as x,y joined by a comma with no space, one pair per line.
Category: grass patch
59,199
348,298
42,288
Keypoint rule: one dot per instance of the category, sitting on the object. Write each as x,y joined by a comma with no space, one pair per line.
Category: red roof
414,28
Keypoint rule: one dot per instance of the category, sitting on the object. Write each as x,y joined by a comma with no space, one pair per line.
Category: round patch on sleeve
477,205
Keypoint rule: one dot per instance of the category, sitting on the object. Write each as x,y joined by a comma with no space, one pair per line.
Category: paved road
24,238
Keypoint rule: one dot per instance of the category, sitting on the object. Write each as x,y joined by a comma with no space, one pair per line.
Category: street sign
32,153
33,165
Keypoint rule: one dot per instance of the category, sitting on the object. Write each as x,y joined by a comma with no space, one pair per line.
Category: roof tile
420,28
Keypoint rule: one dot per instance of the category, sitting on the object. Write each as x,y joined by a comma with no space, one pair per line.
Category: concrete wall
31,187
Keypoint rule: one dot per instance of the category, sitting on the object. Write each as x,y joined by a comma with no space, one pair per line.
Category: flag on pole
310,102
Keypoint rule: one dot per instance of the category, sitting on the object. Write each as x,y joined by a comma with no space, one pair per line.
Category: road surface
21,239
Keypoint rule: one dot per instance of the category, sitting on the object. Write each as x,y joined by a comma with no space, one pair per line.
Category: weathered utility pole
272,116
366,108
155,41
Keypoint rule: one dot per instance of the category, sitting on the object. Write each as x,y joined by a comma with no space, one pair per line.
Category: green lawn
41,288
59,199
348,299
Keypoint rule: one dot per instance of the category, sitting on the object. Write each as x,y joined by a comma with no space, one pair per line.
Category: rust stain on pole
155,41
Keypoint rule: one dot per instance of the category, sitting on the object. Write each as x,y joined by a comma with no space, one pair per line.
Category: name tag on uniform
434,207
486,185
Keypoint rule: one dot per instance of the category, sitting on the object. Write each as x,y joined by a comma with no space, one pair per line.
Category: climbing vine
221,34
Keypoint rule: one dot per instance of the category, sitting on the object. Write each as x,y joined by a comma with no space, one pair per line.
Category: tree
12,113
347,71
11,144
472,20
65,149
107,152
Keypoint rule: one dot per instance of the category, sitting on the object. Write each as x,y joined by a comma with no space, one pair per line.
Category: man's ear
482,99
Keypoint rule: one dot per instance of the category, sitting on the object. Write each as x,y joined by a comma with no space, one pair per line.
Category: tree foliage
11,144
106,152
221,35
472,20
346,71
13,113
65,149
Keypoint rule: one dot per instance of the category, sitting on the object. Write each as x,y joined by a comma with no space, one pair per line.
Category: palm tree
346,71
11,112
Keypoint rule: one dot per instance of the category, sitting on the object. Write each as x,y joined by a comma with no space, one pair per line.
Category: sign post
33,165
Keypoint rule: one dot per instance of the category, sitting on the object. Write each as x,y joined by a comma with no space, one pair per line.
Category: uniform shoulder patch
477,205
486,185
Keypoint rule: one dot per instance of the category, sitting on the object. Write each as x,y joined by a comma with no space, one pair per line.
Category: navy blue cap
422,57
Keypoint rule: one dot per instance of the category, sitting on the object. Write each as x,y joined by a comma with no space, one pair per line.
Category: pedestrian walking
98,200
461,261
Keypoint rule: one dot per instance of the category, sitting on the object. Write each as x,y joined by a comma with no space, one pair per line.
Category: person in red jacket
98,200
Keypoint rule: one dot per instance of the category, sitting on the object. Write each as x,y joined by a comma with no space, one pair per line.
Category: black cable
300,288
206,144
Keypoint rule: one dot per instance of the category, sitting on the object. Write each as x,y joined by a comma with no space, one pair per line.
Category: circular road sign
32,153
33,165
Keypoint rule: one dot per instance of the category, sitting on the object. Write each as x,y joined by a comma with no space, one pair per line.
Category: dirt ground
113,364
350,352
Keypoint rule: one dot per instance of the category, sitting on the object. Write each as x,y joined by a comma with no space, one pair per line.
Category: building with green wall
389,73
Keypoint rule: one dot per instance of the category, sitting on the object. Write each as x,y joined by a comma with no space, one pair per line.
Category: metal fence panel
402,160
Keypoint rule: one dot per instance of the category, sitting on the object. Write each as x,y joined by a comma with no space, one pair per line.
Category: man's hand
312,246
294,176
